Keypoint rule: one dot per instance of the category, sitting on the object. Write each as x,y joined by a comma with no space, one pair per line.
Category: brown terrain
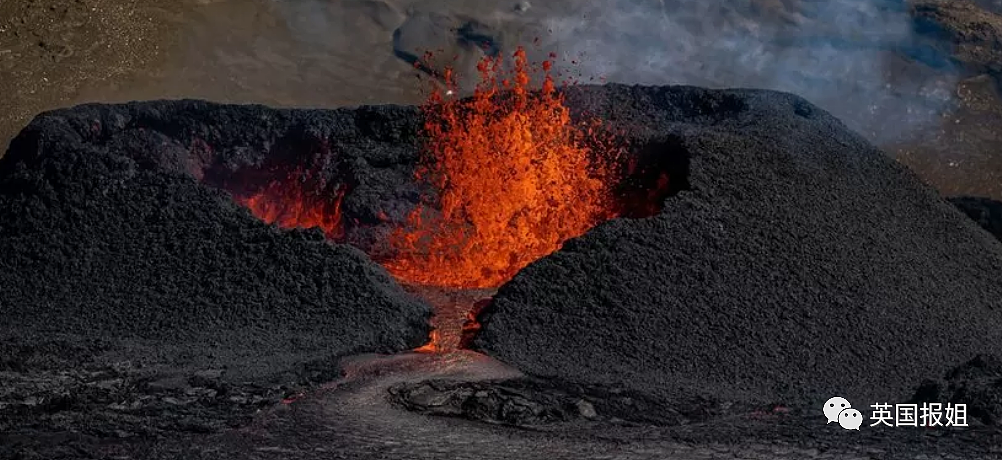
328,53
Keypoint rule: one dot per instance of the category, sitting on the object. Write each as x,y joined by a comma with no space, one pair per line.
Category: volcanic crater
482,188
676,243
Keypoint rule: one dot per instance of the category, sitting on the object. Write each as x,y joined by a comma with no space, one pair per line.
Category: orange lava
295,204
515,178
471,326
433,345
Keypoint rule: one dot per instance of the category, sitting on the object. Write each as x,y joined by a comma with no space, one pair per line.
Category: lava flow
514,178
296,202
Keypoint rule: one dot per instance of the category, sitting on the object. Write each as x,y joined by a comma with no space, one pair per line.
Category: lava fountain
508,176
513,178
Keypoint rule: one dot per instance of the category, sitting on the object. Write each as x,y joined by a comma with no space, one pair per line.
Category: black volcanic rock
532,402
108,231
788,235
985,211
977,384
799,263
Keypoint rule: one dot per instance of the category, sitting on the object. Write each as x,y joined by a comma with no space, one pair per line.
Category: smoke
859,59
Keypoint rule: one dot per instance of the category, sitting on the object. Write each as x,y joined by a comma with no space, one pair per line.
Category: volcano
749,248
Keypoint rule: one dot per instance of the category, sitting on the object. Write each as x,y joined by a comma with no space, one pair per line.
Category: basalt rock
985,211
794,260
533,402
110,230
975,385
798,263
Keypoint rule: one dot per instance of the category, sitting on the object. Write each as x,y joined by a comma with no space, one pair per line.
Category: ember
515,179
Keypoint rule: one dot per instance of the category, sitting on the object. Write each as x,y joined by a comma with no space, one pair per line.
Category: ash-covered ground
148,315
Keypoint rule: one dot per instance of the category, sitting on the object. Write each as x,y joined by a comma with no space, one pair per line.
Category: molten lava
514,179
434,343
298,203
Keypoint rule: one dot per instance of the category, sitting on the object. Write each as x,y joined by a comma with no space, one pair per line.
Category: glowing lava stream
514,178
455,315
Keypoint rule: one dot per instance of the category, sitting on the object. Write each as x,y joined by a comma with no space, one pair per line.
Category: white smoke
859,59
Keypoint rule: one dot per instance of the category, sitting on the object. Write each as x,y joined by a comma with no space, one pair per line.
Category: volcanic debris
799,263
791,261
111,230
